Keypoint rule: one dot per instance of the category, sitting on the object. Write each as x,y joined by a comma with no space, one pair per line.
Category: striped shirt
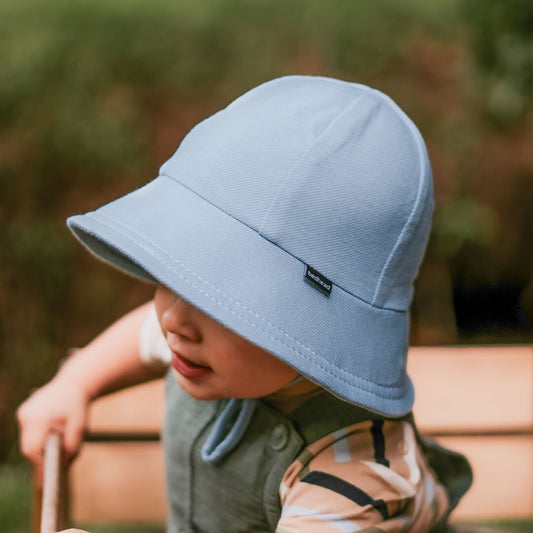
370,476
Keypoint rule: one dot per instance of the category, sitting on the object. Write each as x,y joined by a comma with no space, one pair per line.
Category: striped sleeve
369,476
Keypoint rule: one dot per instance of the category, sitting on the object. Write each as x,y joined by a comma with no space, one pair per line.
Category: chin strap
228,429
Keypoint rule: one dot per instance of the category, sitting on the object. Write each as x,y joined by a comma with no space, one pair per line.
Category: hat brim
166,233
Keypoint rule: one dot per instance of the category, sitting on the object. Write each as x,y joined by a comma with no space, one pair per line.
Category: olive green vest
239,492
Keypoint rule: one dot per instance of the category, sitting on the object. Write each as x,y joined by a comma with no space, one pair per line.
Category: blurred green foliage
15,498
94,96
502,40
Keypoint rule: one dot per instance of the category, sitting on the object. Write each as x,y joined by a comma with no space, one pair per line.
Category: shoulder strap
324,414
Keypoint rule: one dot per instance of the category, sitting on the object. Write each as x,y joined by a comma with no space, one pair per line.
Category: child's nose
178,318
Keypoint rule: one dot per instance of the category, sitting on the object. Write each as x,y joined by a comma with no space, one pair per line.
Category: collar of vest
232,422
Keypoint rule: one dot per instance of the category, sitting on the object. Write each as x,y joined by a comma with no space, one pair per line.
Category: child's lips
187,368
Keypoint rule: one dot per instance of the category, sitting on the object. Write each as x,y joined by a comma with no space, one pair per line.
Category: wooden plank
473,389
137,409
118,482
124,482
503,476
458,389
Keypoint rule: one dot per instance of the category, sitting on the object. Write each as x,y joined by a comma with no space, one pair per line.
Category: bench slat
124,482
137,409
473,389
503,476
118,482
483,389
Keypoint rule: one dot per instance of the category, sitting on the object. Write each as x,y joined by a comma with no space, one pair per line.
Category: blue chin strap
228,429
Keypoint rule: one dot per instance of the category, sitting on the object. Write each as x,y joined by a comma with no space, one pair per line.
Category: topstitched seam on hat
303,154
192,191
249,311
423,167
364,302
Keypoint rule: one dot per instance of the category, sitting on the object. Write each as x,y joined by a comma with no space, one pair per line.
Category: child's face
212,362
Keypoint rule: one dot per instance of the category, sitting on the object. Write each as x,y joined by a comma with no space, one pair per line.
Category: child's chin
197,391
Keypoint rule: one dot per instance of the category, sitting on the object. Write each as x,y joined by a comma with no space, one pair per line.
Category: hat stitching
163,175
304,153
249,311
423,164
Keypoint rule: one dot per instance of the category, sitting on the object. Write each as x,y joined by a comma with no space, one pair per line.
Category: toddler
283,238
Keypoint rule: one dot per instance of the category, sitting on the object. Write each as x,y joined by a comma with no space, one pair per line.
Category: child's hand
61,405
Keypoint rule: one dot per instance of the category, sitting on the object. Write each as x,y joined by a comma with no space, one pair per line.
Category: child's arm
108,363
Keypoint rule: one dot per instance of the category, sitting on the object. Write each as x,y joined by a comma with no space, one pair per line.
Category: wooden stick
51,484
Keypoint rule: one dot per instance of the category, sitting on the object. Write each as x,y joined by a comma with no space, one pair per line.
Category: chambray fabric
299,171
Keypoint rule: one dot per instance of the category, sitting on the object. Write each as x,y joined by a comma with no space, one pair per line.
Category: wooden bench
477,400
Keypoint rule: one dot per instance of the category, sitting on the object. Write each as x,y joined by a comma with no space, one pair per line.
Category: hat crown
332,172
298,170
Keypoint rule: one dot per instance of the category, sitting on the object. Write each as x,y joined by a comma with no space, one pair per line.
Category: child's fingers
73,436
44,411
32,440
32,435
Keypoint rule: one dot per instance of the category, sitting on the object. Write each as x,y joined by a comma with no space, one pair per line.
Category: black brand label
318,281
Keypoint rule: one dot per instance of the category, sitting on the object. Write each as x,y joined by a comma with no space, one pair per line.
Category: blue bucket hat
297,217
